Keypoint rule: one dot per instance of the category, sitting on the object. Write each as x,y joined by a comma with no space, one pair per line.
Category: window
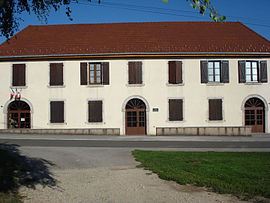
252,71
95,73
57,111
18,75
175,109
175,72
135,72
214,71
215,109
56,74
95,111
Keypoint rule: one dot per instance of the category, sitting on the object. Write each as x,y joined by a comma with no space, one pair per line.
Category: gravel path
118,184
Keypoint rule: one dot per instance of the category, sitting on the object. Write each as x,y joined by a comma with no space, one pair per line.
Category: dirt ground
118,185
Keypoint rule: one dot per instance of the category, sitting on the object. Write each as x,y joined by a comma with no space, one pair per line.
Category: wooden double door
135,117
255,115
19,115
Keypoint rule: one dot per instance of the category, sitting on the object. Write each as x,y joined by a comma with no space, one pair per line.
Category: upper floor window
135,72
56,74
175,72
252,71
215,71
95,73
18,75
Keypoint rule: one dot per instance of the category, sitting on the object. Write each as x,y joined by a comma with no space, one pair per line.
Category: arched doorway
255,114
135,117
19,115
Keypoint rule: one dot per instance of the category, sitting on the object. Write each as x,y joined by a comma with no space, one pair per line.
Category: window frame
222,110
224,72
251,71
101,79
168,110
63,76
12,76
142,74
214,71
88,111
181,76
64,112
95,73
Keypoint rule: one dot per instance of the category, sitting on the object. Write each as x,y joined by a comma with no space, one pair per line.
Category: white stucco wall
155,91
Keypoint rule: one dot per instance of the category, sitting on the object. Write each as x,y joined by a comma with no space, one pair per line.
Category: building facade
137,92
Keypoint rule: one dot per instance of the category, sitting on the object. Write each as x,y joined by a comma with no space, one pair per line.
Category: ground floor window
215,109
57,112
95,111
175,109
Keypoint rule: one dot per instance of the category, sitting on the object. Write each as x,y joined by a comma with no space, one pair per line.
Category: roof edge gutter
133,55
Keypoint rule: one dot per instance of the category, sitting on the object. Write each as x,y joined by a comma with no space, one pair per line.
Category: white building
136,78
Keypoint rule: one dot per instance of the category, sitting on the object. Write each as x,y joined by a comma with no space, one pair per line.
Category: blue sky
254,14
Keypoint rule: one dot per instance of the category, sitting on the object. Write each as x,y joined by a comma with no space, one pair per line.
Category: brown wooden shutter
178,72
57,111
131,73
263,71
18,75
175,109
56,74
83,73
175,72
204,72
225,71
215,109
94,111
106,73
138,72
172,72
242,71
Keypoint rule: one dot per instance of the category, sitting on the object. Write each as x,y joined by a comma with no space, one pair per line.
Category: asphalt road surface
138,144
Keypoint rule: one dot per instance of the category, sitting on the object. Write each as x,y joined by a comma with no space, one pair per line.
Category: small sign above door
155,109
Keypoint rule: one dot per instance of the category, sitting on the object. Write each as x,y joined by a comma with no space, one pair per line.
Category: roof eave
134,55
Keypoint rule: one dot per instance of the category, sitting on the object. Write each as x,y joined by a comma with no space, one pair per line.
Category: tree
10,9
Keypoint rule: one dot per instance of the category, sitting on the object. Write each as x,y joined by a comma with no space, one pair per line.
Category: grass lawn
243,174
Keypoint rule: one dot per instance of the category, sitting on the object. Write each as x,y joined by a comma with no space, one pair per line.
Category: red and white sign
15,94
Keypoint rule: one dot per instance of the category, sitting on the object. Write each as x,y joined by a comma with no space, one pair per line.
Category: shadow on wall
18,170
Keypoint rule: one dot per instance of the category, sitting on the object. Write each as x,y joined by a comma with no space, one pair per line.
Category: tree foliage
11,9
205,5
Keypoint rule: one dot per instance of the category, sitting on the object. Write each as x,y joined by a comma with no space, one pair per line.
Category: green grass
243,174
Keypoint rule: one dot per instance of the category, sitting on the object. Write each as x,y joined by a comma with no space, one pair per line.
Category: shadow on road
18,170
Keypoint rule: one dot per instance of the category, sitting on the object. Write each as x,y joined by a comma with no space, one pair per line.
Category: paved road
138,144
69,151
197,143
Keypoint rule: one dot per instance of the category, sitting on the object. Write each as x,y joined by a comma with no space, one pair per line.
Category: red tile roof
140,38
